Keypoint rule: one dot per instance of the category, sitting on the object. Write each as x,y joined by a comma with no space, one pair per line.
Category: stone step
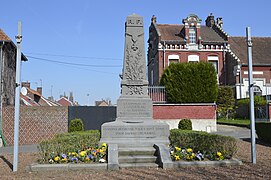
132,151
138,165
137,159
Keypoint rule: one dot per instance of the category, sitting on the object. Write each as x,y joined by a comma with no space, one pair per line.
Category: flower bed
88,155
200,146
76,147
187,154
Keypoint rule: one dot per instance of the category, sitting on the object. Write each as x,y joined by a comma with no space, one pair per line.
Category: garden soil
262,170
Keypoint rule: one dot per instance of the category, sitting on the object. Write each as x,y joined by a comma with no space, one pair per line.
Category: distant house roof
27,101
63,101
260,50
34,98
103,103
5,38
174,32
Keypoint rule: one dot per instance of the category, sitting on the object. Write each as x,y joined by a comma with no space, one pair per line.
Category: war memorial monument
134,129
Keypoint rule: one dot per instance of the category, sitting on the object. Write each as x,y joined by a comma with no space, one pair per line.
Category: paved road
24,148
236,132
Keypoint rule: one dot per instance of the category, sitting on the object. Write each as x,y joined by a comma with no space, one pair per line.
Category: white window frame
214,59
173,57
193,35
193,58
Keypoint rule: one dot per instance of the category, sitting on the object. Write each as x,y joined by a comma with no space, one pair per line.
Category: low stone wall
36,123
202,115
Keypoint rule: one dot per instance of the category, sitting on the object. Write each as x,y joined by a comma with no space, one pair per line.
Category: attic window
192,35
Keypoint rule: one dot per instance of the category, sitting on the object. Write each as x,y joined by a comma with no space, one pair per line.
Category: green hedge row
204,142
70,142
263,131
258,101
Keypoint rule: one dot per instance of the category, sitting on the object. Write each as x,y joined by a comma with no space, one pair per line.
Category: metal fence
93,116
157,94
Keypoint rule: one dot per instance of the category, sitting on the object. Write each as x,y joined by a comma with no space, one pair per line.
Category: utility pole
1,64
17,97
251,97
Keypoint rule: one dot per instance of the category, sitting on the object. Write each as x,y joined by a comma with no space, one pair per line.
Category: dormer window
192,35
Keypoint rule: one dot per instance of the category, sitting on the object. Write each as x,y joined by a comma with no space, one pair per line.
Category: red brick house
8,52
193,42
64,101
34,97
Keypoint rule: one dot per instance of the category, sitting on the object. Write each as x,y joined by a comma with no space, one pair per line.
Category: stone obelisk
134,124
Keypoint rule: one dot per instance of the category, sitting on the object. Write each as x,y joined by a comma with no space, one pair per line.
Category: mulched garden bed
247,171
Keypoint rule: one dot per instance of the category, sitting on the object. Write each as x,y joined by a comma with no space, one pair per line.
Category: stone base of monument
146,133
136,144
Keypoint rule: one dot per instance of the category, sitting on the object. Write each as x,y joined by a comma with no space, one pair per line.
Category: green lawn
235,122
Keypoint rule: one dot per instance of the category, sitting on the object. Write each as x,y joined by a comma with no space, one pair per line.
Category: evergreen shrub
204,142
190,83
263,130
69,142
185,124
76,125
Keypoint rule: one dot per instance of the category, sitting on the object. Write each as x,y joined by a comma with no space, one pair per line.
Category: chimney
71,97
39,89
153,19
219,22
26,84
210,21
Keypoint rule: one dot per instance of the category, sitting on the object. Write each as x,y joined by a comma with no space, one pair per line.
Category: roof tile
260,50
3,36
173,32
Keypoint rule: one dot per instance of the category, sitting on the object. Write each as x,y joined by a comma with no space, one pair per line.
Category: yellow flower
57,158
189,150
193,155
177,158
64,160
83,153
219,154
177,148
104,145
87,159
101,151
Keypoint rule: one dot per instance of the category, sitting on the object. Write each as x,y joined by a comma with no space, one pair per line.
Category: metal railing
157,94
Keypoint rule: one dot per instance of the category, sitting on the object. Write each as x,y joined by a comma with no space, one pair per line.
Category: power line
72,56
74,64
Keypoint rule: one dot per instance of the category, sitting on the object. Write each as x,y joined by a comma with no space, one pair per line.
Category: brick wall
203,116
36,123
181,111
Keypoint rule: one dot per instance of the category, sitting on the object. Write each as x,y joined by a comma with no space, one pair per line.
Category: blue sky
91,33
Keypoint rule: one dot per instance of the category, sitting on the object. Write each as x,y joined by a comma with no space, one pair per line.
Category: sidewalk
233,131
24,149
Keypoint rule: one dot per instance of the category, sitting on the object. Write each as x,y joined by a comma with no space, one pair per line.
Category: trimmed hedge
225,102
76,125
70,142
190,83
185,124
258,101
263,131
204,142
